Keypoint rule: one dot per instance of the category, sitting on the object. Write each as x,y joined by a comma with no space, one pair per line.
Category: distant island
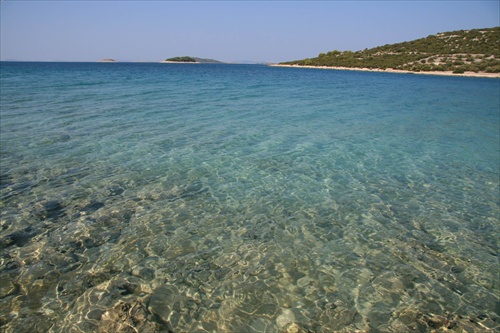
474,51
181,59
187,59
184,59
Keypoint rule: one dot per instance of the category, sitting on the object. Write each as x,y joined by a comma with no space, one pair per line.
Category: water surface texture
246,198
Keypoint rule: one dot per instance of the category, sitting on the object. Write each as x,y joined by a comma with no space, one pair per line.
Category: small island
107,60
191,60
181,59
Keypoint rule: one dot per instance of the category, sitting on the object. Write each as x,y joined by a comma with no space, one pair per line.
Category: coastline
178,62
390,70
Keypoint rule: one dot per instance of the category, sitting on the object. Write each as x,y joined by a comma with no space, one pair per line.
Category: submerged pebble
285,318
129,317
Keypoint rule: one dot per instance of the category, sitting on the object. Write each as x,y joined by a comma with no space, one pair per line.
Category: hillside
460,51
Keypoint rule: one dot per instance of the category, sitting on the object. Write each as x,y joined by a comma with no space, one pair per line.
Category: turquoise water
247,198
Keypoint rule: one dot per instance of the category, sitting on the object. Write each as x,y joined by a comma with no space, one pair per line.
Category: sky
229,31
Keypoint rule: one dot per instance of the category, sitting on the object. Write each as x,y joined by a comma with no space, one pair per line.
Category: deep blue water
247,198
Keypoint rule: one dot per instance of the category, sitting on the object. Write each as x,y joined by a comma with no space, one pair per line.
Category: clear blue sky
225,30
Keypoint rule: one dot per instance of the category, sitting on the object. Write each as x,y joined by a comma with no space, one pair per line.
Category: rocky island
465,52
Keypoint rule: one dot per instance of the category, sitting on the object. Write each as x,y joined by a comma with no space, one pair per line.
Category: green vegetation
182,59
194,59
475,50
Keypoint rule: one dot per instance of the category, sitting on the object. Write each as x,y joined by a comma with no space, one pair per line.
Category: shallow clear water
245,198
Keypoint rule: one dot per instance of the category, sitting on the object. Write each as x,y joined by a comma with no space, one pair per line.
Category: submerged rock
286,318
5,180
92,207
129,317
115,190
53,209
192,189
19,238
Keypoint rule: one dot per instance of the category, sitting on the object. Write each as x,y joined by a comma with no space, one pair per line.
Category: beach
390,70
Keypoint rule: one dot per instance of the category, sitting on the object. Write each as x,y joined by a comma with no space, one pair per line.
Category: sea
151,197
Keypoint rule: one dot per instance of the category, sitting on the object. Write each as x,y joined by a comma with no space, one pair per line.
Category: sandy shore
389,70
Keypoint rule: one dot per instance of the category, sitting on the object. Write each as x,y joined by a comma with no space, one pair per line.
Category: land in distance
458,52
187,59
